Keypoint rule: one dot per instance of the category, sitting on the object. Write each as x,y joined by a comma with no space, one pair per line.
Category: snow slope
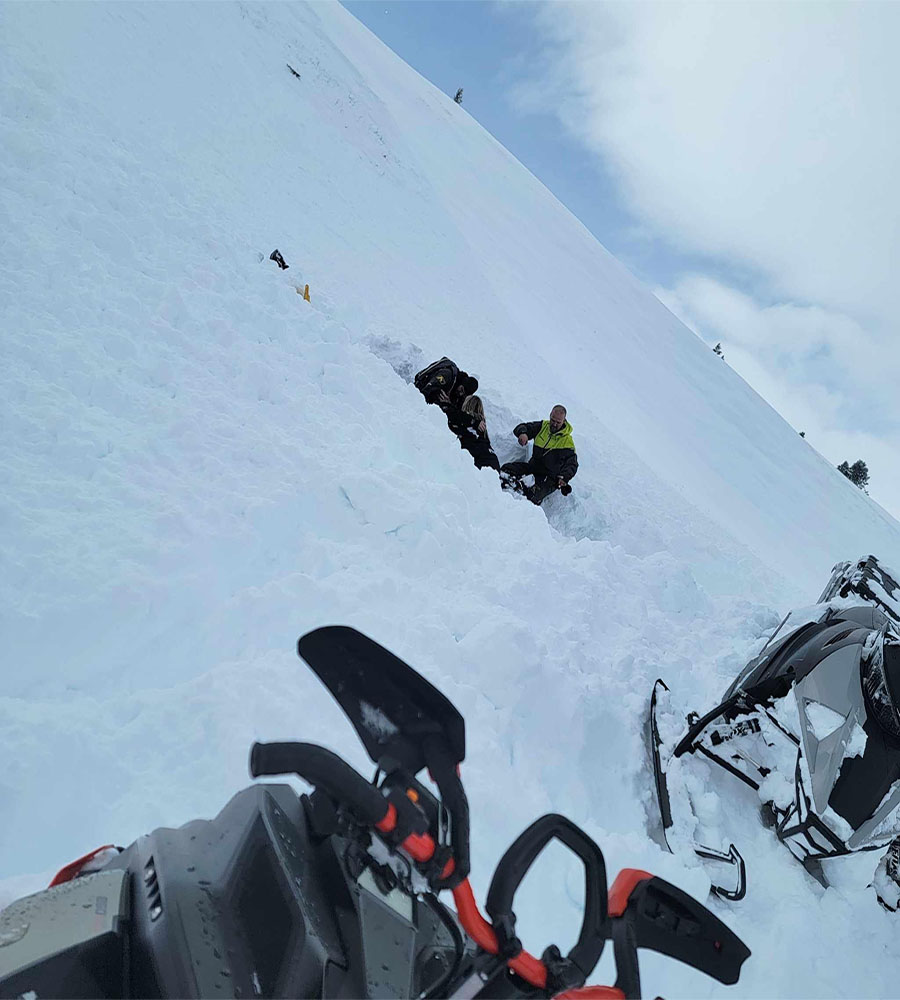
198,465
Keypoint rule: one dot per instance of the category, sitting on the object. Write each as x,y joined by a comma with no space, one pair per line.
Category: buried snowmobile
335,893
812,724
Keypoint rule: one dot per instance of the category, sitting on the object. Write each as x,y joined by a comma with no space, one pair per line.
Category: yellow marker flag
306,293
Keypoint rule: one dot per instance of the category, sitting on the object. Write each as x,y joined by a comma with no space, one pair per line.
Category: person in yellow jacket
553,460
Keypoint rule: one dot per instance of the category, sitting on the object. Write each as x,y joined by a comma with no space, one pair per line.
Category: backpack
436,376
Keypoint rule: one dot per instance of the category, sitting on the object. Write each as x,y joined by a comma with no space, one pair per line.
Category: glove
565,489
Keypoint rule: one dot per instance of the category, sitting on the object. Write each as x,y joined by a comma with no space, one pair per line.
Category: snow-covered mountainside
199,465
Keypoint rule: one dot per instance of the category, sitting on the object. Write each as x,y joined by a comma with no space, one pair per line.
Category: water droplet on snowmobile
9,935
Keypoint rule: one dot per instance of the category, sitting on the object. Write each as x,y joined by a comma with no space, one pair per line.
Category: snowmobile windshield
881,682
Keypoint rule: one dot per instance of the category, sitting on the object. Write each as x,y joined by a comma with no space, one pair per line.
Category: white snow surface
199,466
823,720
856,746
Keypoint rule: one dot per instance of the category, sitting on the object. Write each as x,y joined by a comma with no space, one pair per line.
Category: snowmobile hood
851,765
844,763
799,650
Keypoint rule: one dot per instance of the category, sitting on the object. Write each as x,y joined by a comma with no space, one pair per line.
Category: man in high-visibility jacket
553,461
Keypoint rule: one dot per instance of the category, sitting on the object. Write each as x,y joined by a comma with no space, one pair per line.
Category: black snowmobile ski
659,774
732,856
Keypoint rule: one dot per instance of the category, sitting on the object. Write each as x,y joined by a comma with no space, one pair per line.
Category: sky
740,158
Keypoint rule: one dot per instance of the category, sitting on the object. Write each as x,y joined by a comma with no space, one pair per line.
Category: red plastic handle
531,969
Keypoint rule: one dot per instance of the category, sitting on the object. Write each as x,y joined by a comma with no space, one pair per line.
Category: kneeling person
553,461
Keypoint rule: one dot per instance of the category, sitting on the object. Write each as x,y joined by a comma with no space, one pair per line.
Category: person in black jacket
553,461
468,424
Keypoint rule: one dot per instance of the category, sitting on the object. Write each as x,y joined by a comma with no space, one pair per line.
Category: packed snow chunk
856,745
838,824
823,721
777,788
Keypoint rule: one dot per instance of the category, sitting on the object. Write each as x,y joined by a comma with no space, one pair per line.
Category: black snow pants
543,485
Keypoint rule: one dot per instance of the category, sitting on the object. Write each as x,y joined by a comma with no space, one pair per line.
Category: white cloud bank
763,138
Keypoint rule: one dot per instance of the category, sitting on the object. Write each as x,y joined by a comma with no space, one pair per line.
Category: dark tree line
858,473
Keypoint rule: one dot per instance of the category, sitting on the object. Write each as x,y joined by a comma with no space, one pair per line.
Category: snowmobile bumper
733,857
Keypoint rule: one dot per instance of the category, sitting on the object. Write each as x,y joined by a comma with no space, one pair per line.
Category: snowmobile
812,724
335,893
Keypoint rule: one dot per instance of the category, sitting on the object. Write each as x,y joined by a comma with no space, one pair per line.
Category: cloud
765,133
814,367
808,344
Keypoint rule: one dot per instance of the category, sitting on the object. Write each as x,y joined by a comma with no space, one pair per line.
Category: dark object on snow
335,893
553,460
291,68
443,376
820,705
718,350
512,474
440,376
279,260
858,473
458,97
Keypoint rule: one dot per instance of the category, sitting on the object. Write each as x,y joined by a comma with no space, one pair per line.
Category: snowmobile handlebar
396,816
514,866
406,725
325,770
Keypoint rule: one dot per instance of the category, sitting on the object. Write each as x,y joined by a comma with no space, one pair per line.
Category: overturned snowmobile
820,707
334,894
